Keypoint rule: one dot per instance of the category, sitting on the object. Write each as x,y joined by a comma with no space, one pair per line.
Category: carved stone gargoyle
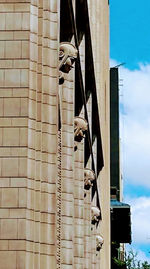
89,177
95,212
67,56
80,127
99,242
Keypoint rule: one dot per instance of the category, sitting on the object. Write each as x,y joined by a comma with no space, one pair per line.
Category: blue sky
130,44
130,31
136,190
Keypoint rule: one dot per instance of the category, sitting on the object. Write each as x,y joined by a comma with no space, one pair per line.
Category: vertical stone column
67,167
37,138
43,119
79,186
99,20
93,242
32,207
79,207
49,119
28,133
14,64
87,231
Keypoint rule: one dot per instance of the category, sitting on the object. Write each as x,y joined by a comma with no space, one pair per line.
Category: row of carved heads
67,56
96,215
80,128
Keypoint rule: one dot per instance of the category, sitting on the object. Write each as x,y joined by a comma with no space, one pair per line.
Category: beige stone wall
45,220
67,167
99,22
28,120
14,84
42,136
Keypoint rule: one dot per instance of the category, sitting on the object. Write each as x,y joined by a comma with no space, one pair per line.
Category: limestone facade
45,212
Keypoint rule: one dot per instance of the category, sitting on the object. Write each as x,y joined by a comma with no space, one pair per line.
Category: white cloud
135,137
140,219
135,123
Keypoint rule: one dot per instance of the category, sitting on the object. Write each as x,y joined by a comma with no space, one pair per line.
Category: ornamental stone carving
67,56
80,127
95,212
89,177
99,242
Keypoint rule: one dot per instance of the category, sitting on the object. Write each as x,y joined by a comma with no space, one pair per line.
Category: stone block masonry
45,217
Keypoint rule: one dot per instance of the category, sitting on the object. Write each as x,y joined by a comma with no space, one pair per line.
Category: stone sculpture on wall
67,56
89,177
99,242
95,212
80,127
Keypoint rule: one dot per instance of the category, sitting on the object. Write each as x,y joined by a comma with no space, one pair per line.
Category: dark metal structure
120,212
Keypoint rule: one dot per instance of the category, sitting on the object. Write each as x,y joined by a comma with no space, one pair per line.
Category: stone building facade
45,207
